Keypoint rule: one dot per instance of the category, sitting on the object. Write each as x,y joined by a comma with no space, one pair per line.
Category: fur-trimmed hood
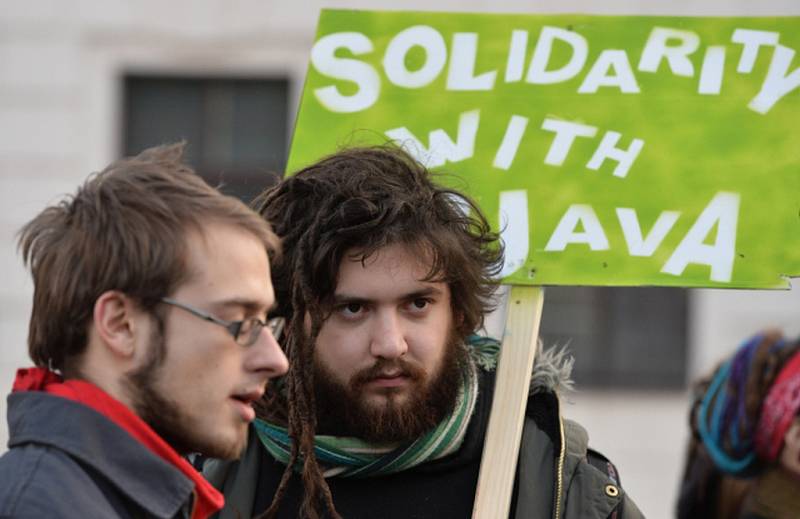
552,370
552,367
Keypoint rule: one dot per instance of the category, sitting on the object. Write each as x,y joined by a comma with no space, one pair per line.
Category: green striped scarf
351,457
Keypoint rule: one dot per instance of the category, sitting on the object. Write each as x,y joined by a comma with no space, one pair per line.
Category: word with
442,149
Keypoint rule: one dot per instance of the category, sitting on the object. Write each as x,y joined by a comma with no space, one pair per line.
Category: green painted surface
695,148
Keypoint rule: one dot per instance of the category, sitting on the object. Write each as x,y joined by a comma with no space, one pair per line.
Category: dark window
236,128
620,337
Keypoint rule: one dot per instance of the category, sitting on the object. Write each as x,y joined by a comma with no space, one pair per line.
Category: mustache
399,367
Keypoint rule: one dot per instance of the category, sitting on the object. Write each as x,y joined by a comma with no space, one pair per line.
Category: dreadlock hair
350,205
723,420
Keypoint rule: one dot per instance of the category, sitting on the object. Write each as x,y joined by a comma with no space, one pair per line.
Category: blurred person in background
148,333
743,460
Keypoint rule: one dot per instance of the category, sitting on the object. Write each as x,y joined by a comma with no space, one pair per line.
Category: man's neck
103,373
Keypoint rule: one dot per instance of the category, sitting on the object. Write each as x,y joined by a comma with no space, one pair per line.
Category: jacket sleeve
558,475
626,509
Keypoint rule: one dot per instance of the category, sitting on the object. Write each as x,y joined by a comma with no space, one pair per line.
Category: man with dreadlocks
385,278
744,456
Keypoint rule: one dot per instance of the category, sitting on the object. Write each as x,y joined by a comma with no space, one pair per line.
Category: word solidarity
611,68
605,150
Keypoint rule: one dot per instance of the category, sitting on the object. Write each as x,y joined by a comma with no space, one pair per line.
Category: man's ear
115,322
790,455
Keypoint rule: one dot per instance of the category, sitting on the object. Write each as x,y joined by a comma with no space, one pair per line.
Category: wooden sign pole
514,368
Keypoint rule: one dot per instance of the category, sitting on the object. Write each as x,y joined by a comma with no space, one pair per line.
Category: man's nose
267,356
388,340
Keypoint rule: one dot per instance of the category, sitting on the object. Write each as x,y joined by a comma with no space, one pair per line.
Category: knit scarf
778,410
352,457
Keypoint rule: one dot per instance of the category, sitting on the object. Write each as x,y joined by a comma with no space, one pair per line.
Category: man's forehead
393,255
228,266
394,258
392,270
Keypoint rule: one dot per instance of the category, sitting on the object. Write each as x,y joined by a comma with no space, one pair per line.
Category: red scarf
779,409
207,499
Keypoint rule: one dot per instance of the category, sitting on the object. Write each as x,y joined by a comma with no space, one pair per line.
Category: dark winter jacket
557,476
66,460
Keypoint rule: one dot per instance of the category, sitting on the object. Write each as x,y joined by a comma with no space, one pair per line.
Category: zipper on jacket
560,469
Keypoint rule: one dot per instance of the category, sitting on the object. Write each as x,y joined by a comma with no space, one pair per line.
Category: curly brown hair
362,200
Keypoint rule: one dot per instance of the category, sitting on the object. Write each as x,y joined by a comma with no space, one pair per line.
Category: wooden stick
514,368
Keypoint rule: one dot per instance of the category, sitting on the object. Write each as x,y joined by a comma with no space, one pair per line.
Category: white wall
60,67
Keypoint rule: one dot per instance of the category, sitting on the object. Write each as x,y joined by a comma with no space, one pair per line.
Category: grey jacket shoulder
581,482
39,481
66,460
582,473
579,489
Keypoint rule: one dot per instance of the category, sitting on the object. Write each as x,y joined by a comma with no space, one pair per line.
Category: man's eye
420,304
351,309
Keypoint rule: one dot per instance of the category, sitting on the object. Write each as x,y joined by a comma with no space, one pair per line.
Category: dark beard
159,412
341,410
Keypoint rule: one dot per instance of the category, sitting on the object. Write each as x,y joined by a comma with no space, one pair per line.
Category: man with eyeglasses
150,340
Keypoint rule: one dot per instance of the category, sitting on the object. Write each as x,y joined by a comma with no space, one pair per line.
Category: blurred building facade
83,82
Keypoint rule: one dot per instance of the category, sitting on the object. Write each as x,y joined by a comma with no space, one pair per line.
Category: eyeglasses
244,332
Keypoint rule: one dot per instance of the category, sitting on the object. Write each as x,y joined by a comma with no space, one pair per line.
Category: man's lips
383,375
244,403
389,380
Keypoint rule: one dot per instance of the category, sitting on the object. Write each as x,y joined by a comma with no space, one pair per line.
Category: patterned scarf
351,457
779,410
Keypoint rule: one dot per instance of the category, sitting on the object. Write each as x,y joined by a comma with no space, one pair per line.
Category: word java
611,69
709,242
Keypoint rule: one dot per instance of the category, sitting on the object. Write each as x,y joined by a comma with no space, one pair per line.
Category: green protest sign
609,150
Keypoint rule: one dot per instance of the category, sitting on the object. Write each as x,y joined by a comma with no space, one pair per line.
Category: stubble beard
164,415
400,415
